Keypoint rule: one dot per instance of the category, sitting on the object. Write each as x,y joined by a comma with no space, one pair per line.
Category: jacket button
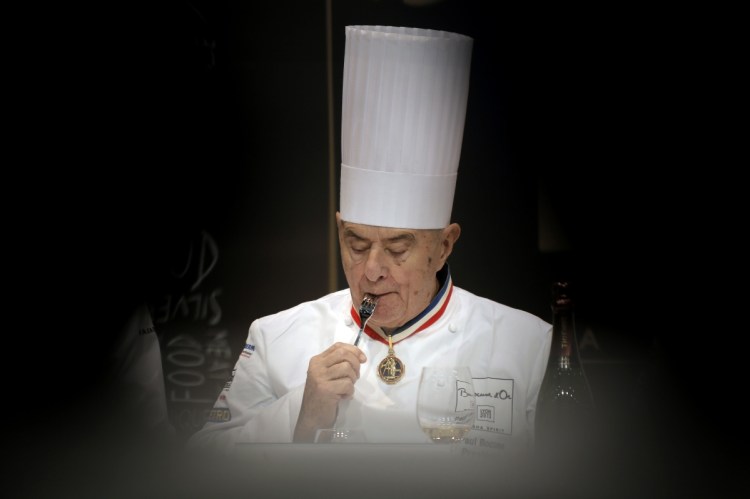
452,328
348,321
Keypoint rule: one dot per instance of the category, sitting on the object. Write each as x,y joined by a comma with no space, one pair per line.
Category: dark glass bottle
565,408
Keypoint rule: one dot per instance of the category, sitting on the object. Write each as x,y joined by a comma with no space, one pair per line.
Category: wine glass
446,405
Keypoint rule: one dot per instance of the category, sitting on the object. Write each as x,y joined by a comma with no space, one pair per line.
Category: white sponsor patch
494,405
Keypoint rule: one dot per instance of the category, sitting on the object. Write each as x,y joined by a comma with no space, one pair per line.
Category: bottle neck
564,353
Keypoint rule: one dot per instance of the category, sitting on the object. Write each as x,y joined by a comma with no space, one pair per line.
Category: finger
343,353
339,348
332,384
328,359
343,370
321,372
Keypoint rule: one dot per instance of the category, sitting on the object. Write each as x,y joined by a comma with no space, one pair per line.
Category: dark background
591,154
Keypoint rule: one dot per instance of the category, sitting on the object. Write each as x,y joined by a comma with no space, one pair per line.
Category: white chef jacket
505,348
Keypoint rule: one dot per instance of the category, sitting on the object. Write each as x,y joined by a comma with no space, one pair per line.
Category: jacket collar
423,320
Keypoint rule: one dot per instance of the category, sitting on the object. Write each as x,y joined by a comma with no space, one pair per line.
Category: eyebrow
406,236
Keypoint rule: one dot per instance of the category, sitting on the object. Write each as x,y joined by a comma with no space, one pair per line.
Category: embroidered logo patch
219,415
146,330
248,350
231,378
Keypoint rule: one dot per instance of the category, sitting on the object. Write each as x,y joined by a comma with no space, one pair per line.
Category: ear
448,238
339,222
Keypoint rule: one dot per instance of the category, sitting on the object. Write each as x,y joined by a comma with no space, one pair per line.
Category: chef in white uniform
404,103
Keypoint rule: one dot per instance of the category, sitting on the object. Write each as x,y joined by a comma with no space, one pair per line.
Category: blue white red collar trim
425,319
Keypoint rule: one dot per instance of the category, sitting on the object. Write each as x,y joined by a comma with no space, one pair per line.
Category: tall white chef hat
403,110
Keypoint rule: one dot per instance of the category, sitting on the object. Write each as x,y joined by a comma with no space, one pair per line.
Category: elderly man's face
396,265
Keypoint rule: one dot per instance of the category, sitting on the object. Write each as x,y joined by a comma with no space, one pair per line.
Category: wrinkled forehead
378,233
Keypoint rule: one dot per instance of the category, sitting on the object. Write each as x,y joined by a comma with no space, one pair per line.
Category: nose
375,266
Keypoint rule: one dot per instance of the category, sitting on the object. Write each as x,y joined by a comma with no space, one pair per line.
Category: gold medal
391,369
